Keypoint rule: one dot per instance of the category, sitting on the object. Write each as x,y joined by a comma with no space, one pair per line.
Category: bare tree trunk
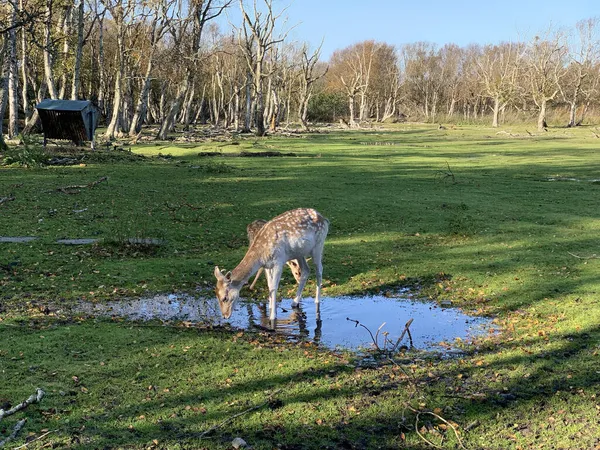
187,110
141,106
169,120
352,122
451,107
3,88
48,70
495,112
541,123
274,111
260,102
101,72
24,69
236,109
583,113
115,125
248,115
66,29
13,78
76,80
35,117
572,113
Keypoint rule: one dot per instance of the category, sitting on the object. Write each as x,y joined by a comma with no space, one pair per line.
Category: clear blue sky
344,22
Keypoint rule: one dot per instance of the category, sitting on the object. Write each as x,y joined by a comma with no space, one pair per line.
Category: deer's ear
218,274
228,276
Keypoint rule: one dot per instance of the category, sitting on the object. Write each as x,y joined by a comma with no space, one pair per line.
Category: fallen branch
40,437
357,323
235,416
6,199
440,418
406,330
33,398
14,433
583,257
75,188
375,338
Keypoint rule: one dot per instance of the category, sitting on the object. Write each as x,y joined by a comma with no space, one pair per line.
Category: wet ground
433,327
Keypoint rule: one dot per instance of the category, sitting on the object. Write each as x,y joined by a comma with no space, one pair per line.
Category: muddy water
433,327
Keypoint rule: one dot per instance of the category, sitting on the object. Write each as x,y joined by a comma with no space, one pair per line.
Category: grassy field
503,224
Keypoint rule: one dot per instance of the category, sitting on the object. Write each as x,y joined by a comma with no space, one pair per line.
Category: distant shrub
30,153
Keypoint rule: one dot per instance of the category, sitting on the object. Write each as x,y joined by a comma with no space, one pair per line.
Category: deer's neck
246,268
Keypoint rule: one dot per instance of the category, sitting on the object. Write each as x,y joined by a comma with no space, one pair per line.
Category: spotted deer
295,234
252,230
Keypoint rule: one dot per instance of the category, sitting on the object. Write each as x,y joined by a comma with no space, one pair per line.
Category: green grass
496,238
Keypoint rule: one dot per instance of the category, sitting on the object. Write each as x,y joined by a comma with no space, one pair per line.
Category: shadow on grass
334,405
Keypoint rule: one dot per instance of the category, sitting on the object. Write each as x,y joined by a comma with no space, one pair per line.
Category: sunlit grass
465,214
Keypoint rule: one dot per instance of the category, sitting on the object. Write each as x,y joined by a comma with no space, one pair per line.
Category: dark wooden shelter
75,120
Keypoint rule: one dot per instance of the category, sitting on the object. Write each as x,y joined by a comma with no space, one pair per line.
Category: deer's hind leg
317,255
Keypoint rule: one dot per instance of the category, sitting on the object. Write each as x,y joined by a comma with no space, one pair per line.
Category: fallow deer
252,230
295,234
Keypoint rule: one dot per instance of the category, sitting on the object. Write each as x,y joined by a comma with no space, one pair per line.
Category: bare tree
189,31
158,19
256,39
498,68
580,75
308,76
545,70
123,14
13,74
3,87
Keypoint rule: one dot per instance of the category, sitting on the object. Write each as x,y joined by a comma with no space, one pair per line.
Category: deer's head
226,293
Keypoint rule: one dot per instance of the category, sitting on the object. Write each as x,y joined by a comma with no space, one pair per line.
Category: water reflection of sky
431,323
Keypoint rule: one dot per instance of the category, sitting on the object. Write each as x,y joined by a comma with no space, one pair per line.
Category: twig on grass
40,437
6,199
33,398
440,418
75,188
235,416
594,256
14,433
447,173
407,406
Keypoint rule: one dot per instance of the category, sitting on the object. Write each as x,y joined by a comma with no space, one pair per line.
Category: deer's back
291,235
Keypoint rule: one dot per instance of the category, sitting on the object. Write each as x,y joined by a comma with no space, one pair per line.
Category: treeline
167,64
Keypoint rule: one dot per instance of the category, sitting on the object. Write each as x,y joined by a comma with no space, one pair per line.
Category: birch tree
256,40
498,68
158,19
13,75
581,73
308,76
545,70
189,31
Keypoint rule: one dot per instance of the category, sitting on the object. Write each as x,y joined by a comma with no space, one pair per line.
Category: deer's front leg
273,277
304,272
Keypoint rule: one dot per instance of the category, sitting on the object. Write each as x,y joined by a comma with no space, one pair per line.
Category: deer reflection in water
293,323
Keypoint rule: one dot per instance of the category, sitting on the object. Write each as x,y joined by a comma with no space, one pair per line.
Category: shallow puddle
433,327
